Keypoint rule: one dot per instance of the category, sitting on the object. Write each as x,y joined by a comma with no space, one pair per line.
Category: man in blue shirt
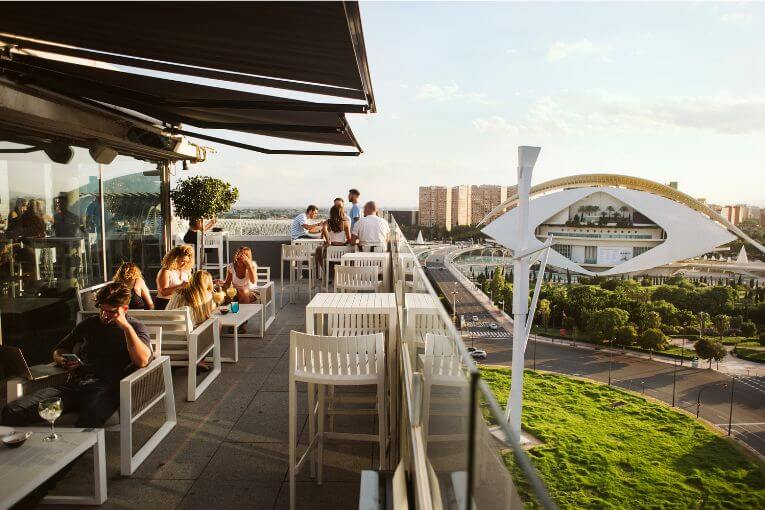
353,198
302,227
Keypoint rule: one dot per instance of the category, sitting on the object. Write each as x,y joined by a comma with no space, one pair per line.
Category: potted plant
202,197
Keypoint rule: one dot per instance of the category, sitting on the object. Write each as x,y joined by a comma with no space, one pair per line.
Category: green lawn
639,454
750,354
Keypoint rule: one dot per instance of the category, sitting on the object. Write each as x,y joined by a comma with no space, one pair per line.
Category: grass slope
637,455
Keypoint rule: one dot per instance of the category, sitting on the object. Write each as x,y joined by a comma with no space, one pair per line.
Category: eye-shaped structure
601,224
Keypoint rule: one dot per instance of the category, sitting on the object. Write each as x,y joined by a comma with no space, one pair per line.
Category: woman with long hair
130,275
242,274
197,294
336,231
33,220
14,217
175,272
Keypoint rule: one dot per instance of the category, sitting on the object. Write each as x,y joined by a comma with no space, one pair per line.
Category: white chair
331,361
265,287
442,368
356,279
214,241
139,393
184,344
332,256
86,297
300,257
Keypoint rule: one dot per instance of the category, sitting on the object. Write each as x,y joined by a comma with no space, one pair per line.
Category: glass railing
600,236
455,440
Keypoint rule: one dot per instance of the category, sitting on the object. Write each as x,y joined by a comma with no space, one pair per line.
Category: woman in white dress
175,273
242,275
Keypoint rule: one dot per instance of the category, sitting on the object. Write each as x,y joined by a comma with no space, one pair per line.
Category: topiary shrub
652,339
625,335
748,329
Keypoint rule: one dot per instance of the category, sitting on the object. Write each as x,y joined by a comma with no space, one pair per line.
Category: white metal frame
300,257
356,279
334,254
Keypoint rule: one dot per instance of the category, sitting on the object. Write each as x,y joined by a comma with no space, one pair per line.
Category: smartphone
72,357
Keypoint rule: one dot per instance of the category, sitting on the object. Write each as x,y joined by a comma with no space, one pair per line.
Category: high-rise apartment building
461,205
484,198
735,213
436,206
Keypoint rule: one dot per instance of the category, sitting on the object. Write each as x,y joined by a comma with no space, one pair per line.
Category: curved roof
622,181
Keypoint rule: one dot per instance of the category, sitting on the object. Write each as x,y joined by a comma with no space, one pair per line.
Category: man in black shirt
110,347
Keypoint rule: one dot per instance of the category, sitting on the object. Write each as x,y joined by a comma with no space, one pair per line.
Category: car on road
477,354
494,326
475,318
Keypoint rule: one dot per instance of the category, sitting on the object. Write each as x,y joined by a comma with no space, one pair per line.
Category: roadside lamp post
535,351
454,303
682,353
610,362
502,304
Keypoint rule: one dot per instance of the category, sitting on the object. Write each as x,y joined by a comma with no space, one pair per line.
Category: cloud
605,113
441,93
584,47
737,18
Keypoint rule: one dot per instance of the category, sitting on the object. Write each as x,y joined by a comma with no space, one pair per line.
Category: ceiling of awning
197,105
304,46
310,42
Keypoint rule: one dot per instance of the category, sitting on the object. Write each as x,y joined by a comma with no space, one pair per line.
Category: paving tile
328,495
257,462
123,493
343,461
208,494
266,420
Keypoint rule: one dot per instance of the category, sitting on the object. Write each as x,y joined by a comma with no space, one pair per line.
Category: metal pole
527,157
682,354
610,361
730,413
698,402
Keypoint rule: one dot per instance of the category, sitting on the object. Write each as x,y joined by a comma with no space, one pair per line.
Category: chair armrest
142,372
143,388
206,324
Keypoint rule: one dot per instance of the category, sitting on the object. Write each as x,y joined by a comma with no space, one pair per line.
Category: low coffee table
25,468
245,313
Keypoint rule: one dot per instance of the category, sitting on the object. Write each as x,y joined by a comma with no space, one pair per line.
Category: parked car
477,354
493,325
475,318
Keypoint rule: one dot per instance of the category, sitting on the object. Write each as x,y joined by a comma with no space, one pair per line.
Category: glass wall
47,248
52,238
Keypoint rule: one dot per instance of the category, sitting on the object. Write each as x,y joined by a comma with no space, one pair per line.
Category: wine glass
50,409
231,293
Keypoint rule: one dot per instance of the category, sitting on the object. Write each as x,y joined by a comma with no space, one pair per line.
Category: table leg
309,318
99,480
236,344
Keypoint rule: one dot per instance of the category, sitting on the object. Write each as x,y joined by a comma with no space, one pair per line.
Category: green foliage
544,311
748,329
653,320
637,455
602,324
721,323
583,300
710,349
625,335
202,197
652,339
762,339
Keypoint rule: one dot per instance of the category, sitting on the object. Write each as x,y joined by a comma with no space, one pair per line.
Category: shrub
748,329
569,323
708,349
603,324
762,339
652,339
625,335
721,323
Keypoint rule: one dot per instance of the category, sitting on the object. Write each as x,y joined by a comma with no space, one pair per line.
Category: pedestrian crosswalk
489,333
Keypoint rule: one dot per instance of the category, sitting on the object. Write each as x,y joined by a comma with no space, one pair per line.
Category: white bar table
366,259
234,320
25,468
360,309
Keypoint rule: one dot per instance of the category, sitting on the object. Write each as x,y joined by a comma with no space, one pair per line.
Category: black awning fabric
302,42
177,102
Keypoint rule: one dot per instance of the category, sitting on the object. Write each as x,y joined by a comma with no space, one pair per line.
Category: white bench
185,345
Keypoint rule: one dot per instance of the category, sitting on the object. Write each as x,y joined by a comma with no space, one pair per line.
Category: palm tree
611,211
624,210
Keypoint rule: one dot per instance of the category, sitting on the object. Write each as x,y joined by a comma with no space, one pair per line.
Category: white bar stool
300,257
356,279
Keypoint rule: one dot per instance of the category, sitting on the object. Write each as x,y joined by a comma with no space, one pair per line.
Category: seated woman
242,274
197,294
175,272
336,232
130,275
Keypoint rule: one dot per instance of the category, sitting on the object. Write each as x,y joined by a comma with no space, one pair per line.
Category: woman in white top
175,273
336,231
242,274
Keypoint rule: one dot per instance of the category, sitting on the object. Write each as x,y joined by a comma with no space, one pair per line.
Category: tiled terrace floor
229,449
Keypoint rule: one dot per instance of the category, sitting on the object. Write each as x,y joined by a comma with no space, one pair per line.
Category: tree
721,323
544,311
703,321
748,329
625,335
603,324
202,198
652,339
653,320
710,350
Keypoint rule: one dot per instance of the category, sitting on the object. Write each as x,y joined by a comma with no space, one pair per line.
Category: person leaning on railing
110,346
371,232
175,272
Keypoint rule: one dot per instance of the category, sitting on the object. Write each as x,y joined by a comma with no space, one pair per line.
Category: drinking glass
49,410
234,306
218,295
231,292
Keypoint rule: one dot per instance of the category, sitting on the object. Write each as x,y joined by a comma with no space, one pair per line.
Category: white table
367,259
362,307
234,320
316,242
24,469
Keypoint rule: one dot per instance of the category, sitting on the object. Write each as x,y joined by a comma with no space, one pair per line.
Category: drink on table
49,410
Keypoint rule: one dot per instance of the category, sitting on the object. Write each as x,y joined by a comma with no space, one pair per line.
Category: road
654,378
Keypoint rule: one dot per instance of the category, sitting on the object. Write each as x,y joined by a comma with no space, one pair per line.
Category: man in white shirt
302,227
370,232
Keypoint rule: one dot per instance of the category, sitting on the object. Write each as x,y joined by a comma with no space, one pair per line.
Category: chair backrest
213,239
351,278
441,357
155,334
314,357
408,263
351,324
334,253
86,297
313,242
263,274
297,251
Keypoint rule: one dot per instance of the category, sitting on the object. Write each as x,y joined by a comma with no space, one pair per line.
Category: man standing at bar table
112,345
353,198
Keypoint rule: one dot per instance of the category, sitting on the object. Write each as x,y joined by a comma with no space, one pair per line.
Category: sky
664,91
